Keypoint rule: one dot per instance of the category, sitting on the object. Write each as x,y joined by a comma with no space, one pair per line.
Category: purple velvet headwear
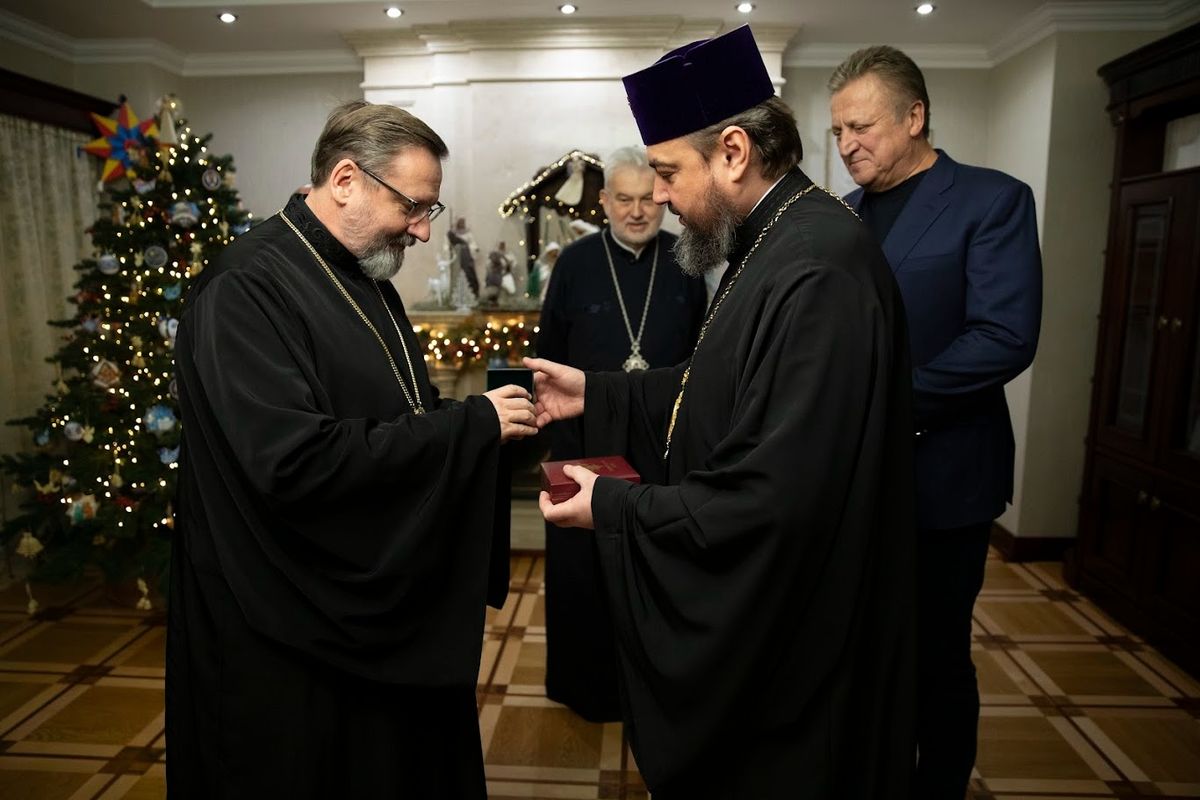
698,85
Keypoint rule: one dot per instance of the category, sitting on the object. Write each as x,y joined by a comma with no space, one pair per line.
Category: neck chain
721,299
413,398
635,360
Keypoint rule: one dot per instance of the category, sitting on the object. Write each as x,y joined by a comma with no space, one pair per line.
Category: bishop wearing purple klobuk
761,578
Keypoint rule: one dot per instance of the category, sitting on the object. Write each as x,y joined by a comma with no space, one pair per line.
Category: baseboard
1029,548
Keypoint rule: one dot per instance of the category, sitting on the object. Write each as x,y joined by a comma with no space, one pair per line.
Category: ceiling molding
533,34
284,62
659,33
223,4
153,52
929,56
1056,17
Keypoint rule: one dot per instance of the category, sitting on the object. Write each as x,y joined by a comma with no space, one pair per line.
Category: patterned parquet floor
1074,706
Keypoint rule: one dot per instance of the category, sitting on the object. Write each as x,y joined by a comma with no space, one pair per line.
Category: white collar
635,253
767,192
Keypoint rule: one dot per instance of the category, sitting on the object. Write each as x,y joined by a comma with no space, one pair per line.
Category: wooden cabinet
1138,552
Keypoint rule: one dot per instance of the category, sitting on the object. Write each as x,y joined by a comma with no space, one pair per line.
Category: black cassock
328,576
763,598
581,325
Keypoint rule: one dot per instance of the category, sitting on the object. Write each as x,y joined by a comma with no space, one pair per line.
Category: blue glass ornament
159,419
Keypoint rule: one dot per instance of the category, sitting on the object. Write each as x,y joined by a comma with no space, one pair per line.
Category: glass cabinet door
1181,388
1133,350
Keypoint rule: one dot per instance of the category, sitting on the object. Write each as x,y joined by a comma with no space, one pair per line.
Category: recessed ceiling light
926,8
745,8
393,12
568,8
227,17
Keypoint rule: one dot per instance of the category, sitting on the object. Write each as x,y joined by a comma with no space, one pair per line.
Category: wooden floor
1073,705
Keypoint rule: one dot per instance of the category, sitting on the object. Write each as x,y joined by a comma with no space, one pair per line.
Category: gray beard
383,259
706,244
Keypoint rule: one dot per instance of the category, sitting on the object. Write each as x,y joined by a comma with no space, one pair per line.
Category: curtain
47,200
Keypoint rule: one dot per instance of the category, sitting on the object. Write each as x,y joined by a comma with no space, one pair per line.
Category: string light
519,197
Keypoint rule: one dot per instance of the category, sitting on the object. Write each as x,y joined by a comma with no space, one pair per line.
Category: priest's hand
515,410
576,512
559,390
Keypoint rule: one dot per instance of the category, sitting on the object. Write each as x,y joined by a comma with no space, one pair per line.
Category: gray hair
624,157
772,129
371,135
899,73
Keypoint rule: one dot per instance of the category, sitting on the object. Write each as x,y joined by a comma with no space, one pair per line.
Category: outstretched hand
515,411
577,511
559,390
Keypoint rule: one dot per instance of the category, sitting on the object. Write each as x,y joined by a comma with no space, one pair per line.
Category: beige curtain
47,199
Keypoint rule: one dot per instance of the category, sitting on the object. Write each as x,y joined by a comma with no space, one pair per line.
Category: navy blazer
964,251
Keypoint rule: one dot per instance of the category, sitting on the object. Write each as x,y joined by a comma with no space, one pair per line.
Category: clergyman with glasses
328,580
617,299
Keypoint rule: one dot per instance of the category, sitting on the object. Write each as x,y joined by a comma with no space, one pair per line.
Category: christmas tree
99,483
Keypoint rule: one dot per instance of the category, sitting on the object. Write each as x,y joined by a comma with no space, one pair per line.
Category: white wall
1021,93
269,125
36,64
1075,206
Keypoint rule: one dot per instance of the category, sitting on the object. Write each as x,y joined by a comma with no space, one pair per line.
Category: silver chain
416,390
728,287
635,343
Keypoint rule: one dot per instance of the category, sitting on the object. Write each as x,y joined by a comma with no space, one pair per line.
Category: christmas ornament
155,256
143,603
185,214
168,107
53,484
29,546
241,228
224,226
118,215
82,509
144,186
135,291
120,141
108,264
173,291
211,180
173,388
73,431
106,374
90,323
42,437
168,455
168,327
159,419
197,251
33,605
89,434
115,480
169,519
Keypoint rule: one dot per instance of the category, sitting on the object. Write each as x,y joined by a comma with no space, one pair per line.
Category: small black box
504,376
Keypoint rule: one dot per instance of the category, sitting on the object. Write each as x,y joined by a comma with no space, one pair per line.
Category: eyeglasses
416,211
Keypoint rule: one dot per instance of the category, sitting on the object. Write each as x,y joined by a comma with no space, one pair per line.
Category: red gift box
563,488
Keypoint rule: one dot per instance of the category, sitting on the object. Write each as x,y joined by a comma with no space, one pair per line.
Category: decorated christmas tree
100,480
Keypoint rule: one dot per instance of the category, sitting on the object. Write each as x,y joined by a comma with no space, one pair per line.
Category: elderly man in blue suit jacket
962,242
